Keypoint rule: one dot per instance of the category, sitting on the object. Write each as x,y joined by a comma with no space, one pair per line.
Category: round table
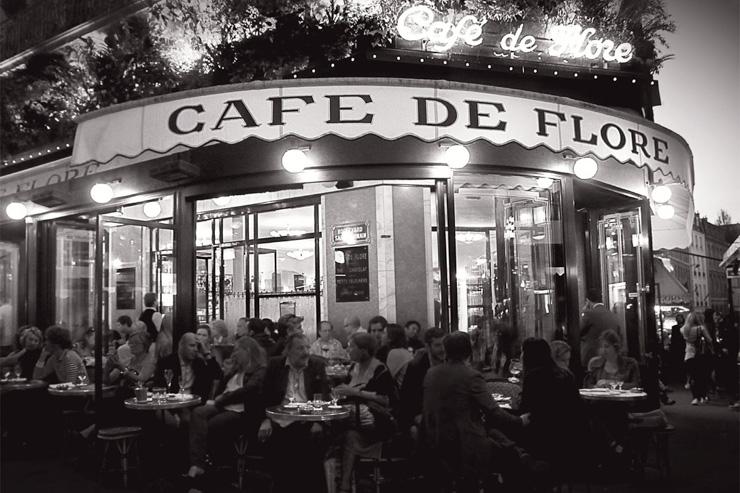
631,395
176,402
20,384
76,390
282,413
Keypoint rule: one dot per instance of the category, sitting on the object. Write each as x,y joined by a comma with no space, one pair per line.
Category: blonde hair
255,352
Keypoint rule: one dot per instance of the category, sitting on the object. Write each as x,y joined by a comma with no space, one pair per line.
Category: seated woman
398,352
58,363
138,371
372,389
85,347
610,368
326,345
26,357
551,399
235,409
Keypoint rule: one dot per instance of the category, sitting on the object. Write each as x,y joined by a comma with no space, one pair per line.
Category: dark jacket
593,322
412,389
456,401
557,414
276,380
205,373
147,317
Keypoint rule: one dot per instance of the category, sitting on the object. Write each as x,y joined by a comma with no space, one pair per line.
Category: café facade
479,181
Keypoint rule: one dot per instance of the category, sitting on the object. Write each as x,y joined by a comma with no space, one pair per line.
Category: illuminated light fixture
16,211
661,194
457,156
222,201
545,182
469,237
152,209
102,193
295,160
299,254
665,211
286,232
585,168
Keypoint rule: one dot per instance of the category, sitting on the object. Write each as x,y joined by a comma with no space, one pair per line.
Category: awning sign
391,109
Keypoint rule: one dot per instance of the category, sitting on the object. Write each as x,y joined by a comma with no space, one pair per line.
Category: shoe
695,402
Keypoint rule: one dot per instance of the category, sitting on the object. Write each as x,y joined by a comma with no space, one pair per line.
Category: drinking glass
619,384
179,386
168,375
17,370
334,396
318,399
515,368
159,394
82,378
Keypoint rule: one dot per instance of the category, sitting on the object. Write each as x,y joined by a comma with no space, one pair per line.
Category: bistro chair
125,439
244,457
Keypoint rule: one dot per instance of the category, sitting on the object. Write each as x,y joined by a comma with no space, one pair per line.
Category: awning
671,291
731,254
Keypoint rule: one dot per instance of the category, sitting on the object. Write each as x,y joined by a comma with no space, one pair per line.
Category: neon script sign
420,23
417,23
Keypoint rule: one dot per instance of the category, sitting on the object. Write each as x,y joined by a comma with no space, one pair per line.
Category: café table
307,412
613,395
77,390
170,402
20,384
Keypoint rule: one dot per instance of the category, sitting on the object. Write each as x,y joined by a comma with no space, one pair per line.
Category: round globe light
585,168
544,182
16,210
457,156
222,201
665,211
102,193
152,209
294,160
661,194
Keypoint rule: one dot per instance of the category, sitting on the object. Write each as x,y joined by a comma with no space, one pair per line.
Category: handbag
701,344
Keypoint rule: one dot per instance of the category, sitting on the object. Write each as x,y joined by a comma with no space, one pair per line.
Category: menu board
126,288
352,274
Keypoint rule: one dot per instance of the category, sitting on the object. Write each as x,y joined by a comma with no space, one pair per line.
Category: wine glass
168,375
82,378
619,384
334,396
17,371
179,386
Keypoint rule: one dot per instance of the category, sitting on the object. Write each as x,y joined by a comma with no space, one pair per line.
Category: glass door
622,275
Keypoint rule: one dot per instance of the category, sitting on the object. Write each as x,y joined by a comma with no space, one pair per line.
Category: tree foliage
181,44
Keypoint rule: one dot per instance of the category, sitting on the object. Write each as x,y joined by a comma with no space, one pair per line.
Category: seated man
456,401
412,389
326,345
376,328
296,376
192,368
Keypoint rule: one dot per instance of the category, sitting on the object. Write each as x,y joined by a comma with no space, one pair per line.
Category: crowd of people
403,385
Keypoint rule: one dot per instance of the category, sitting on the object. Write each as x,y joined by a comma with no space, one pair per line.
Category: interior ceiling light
222,201
665,211
152,209
299,254
661,194
295,160
102,193
278,233
469,236
585,168
544,182
16,210
457,156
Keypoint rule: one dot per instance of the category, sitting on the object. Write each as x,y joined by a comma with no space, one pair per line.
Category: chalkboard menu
352,274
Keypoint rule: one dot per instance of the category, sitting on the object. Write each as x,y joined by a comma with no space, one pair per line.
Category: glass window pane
74,280
285,222
9,264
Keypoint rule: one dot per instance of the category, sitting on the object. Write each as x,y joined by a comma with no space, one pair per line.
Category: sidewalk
704,459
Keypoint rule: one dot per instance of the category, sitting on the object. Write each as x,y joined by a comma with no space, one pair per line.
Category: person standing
595,319
150,316
698,343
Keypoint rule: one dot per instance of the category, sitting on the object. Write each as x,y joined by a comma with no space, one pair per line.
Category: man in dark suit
196,371
412,389
595,319
456,401
295,449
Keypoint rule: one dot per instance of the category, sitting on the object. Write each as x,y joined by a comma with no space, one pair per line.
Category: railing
45,19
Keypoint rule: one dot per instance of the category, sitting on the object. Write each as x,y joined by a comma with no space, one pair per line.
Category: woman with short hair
25,358
139,370
58,363
235,410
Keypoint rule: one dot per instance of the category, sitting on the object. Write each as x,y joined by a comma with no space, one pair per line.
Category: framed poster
352,274
126,288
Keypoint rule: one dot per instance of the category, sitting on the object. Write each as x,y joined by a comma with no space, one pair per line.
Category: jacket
205,373
276,380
